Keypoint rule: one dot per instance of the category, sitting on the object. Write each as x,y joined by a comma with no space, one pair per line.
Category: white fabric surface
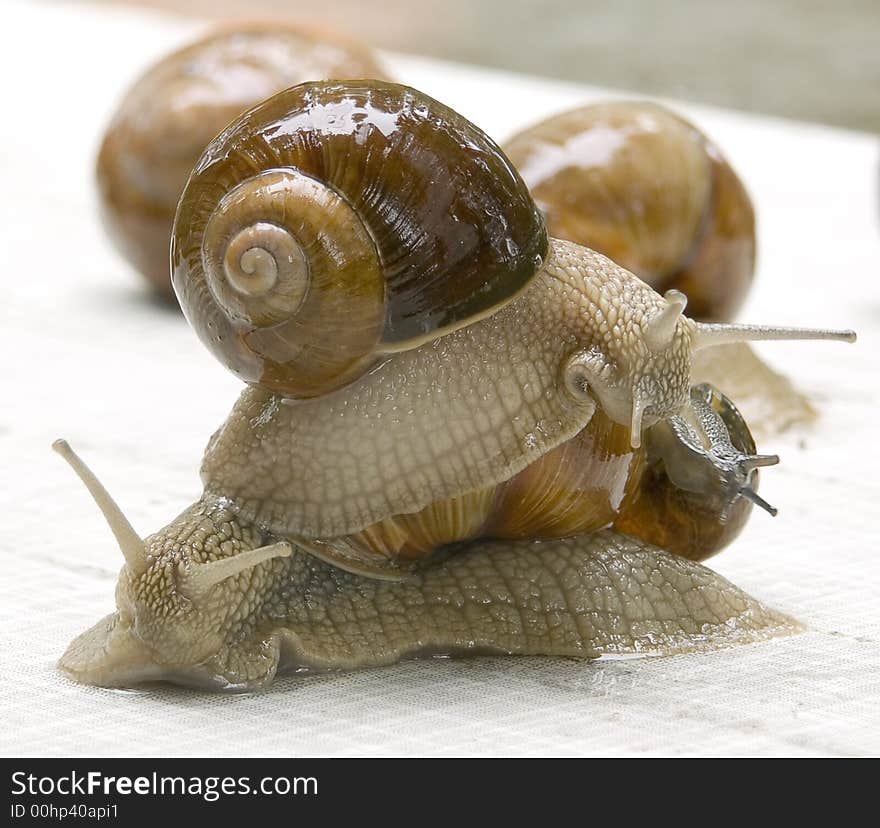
88,355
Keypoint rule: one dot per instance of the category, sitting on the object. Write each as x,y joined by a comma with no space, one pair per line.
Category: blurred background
814,60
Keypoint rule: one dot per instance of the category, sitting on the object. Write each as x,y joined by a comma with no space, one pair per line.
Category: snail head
636,348
180,594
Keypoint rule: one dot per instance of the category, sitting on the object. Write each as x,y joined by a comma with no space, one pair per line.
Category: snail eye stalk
130,543
721,334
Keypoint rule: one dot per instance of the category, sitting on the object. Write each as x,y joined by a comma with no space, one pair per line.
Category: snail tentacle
130,543
199,578
709,335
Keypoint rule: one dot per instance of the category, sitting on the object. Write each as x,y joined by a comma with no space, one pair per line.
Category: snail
480,457
179,104
640,184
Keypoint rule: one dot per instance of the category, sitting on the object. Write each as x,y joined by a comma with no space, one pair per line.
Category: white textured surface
89,356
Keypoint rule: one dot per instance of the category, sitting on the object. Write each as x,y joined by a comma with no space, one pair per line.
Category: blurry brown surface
646,188
803,59
171,113
767,400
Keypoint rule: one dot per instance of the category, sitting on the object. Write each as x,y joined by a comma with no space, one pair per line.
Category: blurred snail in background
450,420
172,111
639,184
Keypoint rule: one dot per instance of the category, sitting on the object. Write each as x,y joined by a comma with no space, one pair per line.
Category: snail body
457,487
597,594
639,183
173,111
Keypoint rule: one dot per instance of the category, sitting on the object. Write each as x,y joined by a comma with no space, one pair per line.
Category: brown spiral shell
171,113
644,187
338,221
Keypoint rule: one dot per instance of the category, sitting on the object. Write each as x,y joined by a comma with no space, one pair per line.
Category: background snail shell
641,185
335,222
171,113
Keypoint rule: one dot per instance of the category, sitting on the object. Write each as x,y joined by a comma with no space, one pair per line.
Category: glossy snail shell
339,221
171,113
643,186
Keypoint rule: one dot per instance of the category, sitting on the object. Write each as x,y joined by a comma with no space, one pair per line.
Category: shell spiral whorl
290,264
255,267
253,258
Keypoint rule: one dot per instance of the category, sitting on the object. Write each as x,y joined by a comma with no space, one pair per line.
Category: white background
88,355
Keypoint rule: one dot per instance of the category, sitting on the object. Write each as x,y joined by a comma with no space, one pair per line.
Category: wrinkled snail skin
433,467
598,594
643,186
172,112
576,488
410,220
